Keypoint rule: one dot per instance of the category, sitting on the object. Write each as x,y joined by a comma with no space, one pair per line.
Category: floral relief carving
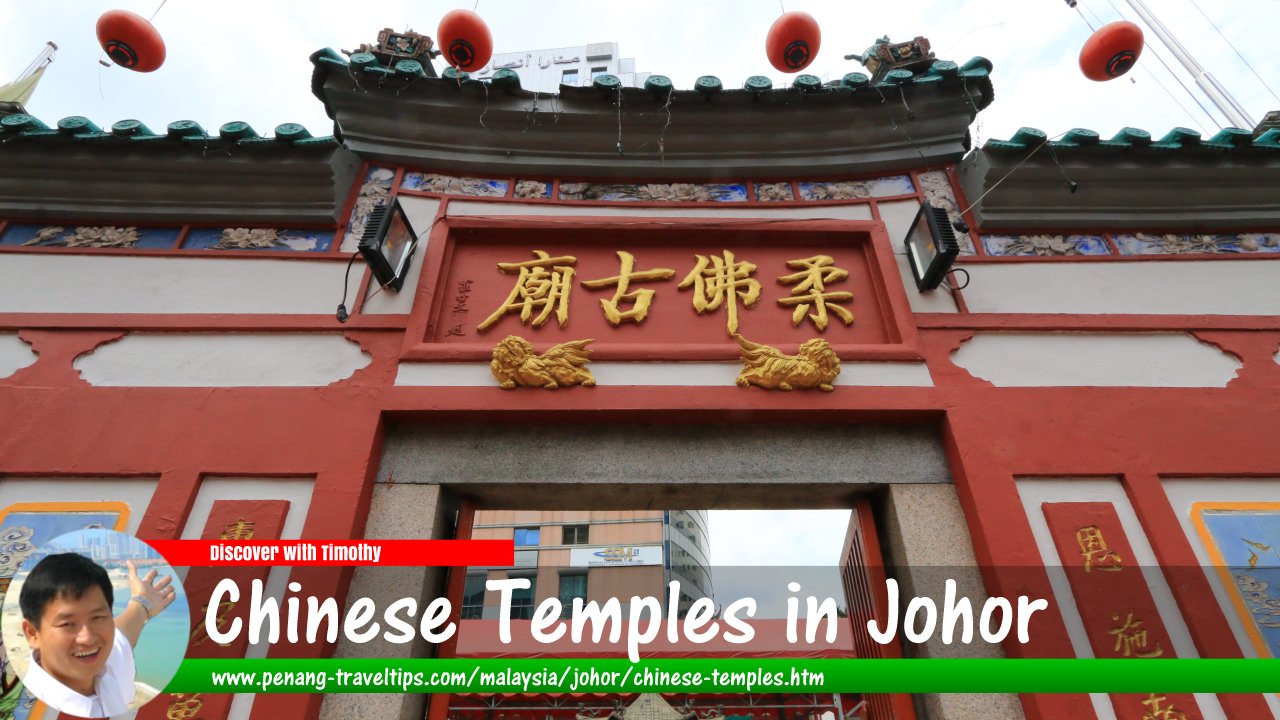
837,191
531,189
248,239
449,185
937,190
774,192
857,189
1045,245
373,193
1174,244
88,236
654,192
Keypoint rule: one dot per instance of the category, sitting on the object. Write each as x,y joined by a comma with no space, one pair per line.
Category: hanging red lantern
130,41
1111,51
793,42
465,40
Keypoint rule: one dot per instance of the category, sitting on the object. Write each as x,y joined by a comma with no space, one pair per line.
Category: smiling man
81,656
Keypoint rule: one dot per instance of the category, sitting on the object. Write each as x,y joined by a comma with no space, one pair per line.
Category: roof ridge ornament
884,56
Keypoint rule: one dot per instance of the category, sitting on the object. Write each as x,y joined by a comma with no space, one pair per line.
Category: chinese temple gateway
622,299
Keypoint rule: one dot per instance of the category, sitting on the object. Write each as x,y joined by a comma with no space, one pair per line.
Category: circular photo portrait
95,623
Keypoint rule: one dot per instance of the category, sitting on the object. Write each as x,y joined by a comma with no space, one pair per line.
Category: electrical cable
1168,69
1237,52
966,279
894,123
662,136
157,12
1021,162
1085,19
1148,71
342,306
1072,184
620,119
947,49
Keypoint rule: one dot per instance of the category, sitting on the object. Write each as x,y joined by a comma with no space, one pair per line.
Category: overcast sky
247,60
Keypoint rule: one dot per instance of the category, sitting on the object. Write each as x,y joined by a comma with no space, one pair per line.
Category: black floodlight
388,243
931,246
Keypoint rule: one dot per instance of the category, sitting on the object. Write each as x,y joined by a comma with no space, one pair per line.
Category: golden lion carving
516,364
816,365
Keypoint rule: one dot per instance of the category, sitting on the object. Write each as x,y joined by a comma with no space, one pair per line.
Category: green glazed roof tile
1080,136
1181,136
1233,136
1179,139
183,132
1268,139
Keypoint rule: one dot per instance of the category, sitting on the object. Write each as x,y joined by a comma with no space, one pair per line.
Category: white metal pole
1236,114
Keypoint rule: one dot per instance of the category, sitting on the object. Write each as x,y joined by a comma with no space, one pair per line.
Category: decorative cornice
462,125
1178,182
78,171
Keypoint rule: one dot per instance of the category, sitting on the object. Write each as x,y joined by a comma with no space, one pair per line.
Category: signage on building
615,556
681,291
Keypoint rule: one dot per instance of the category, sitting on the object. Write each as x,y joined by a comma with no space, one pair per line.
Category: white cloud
777,537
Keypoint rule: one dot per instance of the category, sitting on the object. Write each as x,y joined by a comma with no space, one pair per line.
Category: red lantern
465,40
793,41
1111,51
130,41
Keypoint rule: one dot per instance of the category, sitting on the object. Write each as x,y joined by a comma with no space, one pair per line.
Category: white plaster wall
897,218
136,492
422,215
222,360
104,284
1152,287
1095,359
1036,492
298,493
1182,493
687,374
14,354
818,212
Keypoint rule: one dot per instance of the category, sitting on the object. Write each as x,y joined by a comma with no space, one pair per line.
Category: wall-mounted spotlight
931,246
388,244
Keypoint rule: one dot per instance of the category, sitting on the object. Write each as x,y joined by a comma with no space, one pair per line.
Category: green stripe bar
728,675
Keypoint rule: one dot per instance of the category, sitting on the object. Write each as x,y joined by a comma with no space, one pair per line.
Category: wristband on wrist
147,605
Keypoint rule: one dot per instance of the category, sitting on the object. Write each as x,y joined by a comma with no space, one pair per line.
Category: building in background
595,556
545,71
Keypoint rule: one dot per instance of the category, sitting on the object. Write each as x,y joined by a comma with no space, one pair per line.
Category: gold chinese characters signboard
661,290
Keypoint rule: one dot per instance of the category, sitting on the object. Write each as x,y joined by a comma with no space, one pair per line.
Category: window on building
572,585
569,77
598,71
527,536
575,535
522,600
473,598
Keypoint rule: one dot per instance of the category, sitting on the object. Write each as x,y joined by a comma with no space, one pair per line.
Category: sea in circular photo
84,651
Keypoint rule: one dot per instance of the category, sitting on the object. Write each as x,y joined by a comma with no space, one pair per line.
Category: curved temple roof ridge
1178,138
395,112
976,68
186,132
